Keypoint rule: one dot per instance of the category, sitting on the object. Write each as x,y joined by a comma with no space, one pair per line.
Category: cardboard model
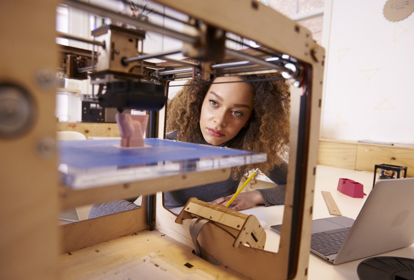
132,129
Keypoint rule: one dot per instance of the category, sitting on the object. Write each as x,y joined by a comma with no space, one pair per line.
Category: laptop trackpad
332,223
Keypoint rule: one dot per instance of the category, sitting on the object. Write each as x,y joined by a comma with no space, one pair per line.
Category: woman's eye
212,102
238,113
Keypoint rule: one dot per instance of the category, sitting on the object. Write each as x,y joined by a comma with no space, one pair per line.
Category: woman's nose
221,117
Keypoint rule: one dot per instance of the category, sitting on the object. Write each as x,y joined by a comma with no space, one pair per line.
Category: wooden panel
29,238
337,153
362,156
291,38
91,129
215,240
369,155
94,231
99,261
259,261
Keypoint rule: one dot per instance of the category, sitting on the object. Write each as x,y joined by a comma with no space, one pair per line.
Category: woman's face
226,110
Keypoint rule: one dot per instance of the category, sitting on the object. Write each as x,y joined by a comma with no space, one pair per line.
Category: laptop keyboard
328,243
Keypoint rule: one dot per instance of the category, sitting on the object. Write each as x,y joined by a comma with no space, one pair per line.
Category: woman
242,112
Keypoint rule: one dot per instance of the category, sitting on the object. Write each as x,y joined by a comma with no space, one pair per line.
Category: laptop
385,223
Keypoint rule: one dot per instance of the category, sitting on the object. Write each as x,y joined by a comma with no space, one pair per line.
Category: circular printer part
17,112
386,268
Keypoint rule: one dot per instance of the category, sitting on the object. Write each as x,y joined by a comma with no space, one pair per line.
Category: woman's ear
247,123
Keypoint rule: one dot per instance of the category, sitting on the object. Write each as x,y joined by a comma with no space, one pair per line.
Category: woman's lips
215,133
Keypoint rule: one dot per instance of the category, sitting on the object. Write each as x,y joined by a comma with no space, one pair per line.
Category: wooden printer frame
33,246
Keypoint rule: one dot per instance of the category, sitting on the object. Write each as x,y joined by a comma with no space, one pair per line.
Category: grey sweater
210,192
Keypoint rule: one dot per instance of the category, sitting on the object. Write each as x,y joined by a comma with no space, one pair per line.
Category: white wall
369,94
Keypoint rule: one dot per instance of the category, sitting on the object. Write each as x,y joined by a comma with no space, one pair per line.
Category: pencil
242,187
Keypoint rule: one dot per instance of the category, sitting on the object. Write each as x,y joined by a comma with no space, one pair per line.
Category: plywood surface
91,129
370,155
101,260
339,154
363,156
29,237
94,231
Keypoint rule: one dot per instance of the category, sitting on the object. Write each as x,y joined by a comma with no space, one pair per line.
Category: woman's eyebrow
217,96
221,99
242,105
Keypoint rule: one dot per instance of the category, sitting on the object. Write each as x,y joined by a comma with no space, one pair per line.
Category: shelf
95,163
70,198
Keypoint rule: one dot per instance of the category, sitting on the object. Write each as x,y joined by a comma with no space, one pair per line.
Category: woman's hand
244,200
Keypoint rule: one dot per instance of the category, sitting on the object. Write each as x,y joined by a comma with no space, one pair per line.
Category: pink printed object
132,129
351,188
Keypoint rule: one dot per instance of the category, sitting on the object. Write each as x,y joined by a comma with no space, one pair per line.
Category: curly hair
268,128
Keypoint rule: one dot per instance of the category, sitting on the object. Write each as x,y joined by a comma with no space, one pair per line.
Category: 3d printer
125,80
